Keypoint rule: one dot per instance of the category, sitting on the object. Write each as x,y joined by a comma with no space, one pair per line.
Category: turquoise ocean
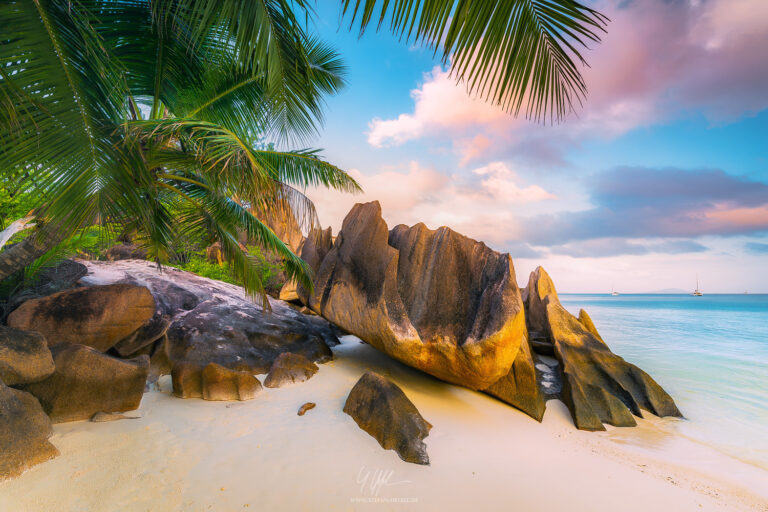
710,353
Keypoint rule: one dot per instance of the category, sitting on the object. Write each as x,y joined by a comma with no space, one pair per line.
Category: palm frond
62,94
258,57
511,52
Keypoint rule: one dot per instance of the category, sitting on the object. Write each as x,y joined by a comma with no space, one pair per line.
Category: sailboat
697,292
614,292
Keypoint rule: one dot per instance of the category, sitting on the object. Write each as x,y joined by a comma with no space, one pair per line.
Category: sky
662,174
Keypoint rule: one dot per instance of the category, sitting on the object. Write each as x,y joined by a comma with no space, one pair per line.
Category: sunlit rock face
95,316
520,387
433,299
598,386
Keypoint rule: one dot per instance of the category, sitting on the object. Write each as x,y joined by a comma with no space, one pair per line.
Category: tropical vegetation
161,119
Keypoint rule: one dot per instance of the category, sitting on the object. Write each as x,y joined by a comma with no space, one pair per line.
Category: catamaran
697,292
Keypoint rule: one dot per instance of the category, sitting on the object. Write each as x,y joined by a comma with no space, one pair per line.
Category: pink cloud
725,217
476,204
659,60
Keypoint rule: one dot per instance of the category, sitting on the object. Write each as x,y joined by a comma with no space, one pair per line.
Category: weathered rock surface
95,316
288,292
86,382
435,300
24,432
125,252
598,386
285,225
313,251
213,322
586,321
49,281
170,301
24,357
317,245
187,380
289,368
241,336
220,383
213,382
380,407
520,387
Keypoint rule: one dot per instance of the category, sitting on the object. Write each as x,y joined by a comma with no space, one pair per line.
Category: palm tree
151,111
151,115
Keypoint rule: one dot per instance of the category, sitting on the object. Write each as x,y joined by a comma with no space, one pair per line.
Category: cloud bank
660,60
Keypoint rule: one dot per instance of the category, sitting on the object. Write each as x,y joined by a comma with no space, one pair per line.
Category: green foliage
14,204
269,273
153,116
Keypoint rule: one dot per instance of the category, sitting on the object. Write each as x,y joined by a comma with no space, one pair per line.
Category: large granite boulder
380,407
520,387
214,322
170,301
24,357
289,368
433,299
86,382
95,316
24,432
242,336
597,386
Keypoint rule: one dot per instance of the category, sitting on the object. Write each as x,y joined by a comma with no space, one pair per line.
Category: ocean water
710,353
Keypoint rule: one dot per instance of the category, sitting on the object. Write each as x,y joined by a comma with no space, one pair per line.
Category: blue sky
662,175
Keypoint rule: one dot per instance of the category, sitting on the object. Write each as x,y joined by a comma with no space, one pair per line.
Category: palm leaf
511,52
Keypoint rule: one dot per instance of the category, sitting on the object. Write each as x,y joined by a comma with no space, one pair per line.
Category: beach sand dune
191,455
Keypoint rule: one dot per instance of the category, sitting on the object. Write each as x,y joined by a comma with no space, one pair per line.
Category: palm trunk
28,250
15,227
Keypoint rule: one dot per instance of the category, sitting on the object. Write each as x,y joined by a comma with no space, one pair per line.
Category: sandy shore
194,455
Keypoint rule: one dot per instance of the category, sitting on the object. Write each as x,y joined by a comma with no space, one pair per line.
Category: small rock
380,407
220,383
289,368
213,382
304,408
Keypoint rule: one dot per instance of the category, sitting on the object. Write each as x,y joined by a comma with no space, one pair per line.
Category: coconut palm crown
152,115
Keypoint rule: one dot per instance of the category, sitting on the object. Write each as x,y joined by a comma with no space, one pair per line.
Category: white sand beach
193,455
